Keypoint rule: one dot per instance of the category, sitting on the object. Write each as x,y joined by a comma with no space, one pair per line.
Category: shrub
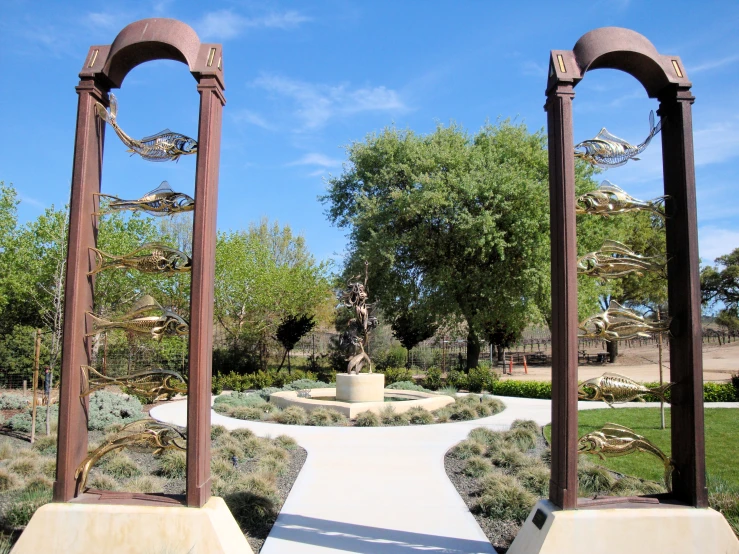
216,431
367,419
321,417
120,466
735,384
173,464
394,357
38,483
145,484
477,466
45,444
262,379
292,415
526,424
272,466
242,434
467,449
481,378
265,392
594,479
418,415
535,479
464,413
510,458
7,480
432,381
522,438
254,513
107,408
10,401
276,453
457,379
503,497
251,413
524,389
259,483
286,442
389,416
397,374
307,383
48,467
487,437
496,406
23,466
239,399
442,415
406,385
21,422
448,390
102,482
631,486
483,410
22,505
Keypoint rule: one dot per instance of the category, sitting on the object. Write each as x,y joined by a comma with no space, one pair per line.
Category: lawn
722,440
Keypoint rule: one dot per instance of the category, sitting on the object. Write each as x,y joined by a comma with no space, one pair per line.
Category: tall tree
290,330
720,287
413,326
457,222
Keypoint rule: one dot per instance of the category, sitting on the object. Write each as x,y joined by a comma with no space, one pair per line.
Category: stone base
73,528
362,387
638,530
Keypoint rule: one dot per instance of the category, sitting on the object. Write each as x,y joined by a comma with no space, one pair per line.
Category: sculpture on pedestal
356,338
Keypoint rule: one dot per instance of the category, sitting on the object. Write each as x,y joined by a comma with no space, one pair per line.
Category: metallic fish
616,440
152,384
165,145
146,317
607,150
619,323
613,388
614,260
609,199
152,257
160,201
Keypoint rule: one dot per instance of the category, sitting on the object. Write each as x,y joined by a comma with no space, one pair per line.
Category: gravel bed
500,533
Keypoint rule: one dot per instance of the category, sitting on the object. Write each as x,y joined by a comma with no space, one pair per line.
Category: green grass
722,440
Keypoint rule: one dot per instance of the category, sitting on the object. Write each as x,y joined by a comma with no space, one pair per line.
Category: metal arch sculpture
607,150
609,199
664,78
160,201
152,257
614,260
105,68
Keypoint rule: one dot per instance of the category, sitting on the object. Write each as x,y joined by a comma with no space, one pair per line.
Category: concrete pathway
378,489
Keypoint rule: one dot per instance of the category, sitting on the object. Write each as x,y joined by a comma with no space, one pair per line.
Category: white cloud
315,158
713,64
225,24
714,242
717,142
316,104
248,116
533,69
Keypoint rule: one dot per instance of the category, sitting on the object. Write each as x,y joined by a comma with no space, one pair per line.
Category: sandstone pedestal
638,530
76,528
362,387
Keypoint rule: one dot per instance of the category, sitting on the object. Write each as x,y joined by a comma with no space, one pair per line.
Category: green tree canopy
720,287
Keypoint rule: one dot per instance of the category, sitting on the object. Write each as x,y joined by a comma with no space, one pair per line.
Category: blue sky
304,79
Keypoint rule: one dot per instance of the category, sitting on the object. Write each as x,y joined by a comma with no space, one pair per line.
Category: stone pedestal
75,528
638,530
362,387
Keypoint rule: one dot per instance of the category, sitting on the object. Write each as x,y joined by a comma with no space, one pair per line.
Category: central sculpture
353,386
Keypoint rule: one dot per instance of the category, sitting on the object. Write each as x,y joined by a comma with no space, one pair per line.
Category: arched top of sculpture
151,39
627,50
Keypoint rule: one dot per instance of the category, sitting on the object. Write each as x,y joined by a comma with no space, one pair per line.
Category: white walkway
378,489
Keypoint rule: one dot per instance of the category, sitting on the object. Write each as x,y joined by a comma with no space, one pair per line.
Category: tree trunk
612,348
473,350
501,354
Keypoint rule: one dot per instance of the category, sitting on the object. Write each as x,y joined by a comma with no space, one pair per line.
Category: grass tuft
286,442
529,424
521,438
292,415
367,419
419,415
467,449
390,417
173,464
102,482
120,466
143,483
477,466
594,479
8,480
503,497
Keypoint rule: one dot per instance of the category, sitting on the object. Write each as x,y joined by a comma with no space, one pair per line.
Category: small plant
24,467
102,482
390,417
254,513
6,451
535,479
173,464
397,374
120,466
216,431
467,449
367,419
46,445
496,406
242,434
323,417
418,415
276,453
481,378
483,410
510,458
448,390
477,466
10,401
8,480
260,483
292,415
487,437
526,424
522,438
22,506
594,479
503,497
443,415
464,413
407,385
48,467
286,442
38,483
457,379
272,466
143,483
250,413
432,380
632,486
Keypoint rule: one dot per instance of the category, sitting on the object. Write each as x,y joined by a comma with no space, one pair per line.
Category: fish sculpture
616,440
142,434
152,257
146,317
165,145
613,388
152,384
160,201
615,259
619,323
609,199
607,150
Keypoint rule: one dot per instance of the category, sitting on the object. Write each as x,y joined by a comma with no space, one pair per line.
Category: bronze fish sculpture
616,440
146,317
152,257
152,384
613,388
165,145
619,323
614,260
609,199
142,434
160,201
607,150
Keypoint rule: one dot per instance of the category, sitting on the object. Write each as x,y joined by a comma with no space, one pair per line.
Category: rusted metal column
563,481
201,304
684,298
78,297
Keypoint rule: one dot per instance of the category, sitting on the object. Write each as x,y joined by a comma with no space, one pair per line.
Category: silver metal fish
152,257
161,147
160,201
615,259
607,150
616,440
619,323
613,388
609,199
146,317
152,384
